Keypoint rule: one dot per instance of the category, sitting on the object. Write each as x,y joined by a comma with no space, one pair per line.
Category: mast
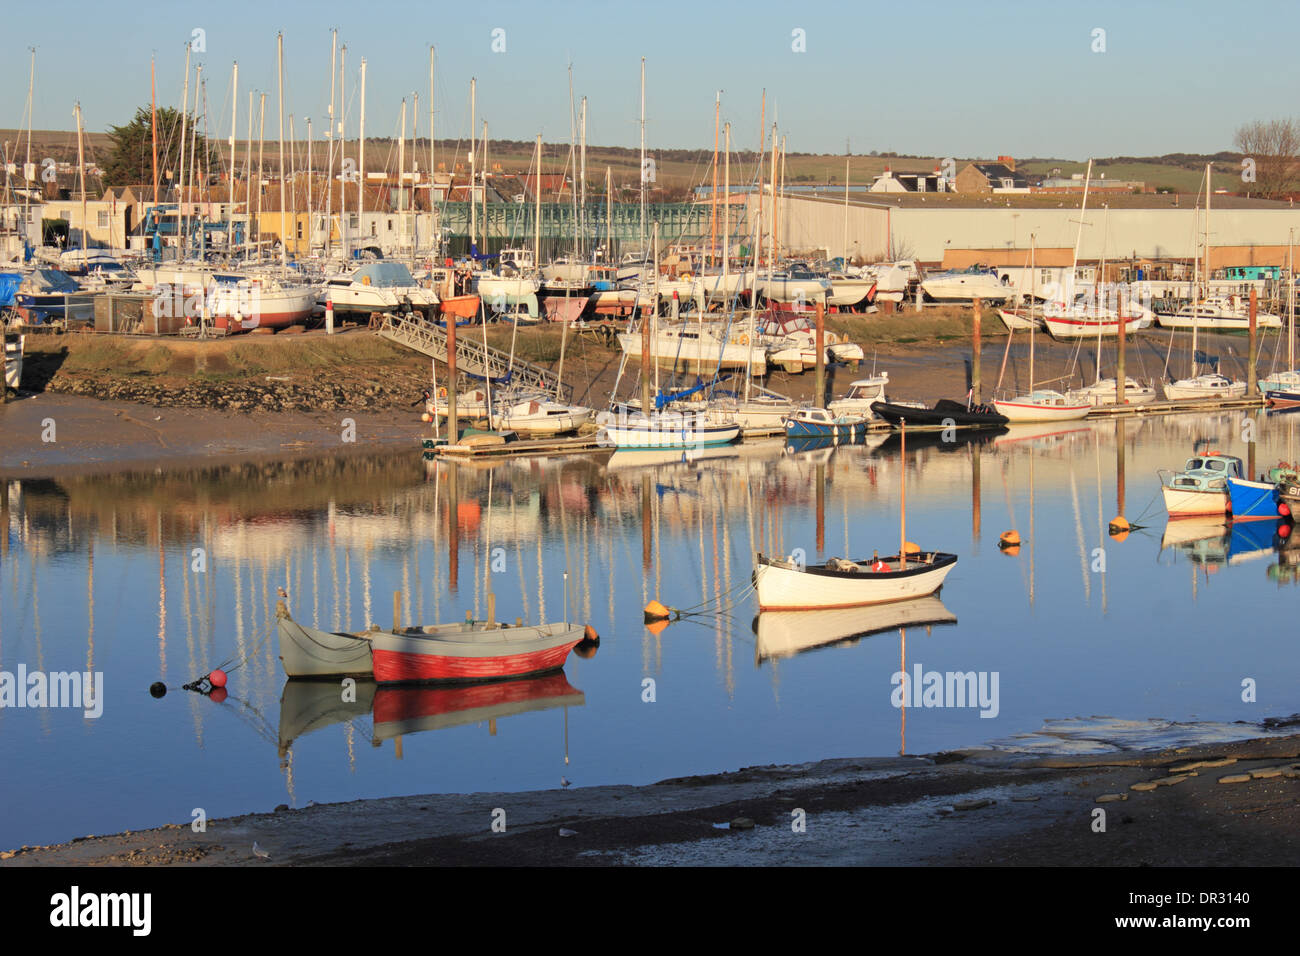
537,210
361,155
846,211
261,139
771,258
902,494
248,175
1290,268
486,228
473,213
234,120
433,208
642,232
329,135
343,150
415,175
284,234
762,148
81,171
185,108
582,154
1078,240
310,208
27,163
713,195
401,165
153,124
1208,190
726,217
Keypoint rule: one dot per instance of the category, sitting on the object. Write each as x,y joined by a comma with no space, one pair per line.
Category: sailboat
1204,384
783,584
1040,405
1286,382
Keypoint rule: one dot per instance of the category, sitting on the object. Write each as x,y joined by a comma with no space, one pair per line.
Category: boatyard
512,439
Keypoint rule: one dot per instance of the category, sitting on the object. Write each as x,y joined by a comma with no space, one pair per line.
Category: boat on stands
791,342
698,347
796,284
378,287
1219,314
1201,488
821,423
965,285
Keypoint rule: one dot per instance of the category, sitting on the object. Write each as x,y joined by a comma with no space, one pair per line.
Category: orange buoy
590,636
1119,528
654,611
912,547
426,417
1009,539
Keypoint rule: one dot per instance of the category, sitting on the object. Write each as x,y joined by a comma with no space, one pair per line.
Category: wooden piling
975,357
1119,366
1252,383
820,394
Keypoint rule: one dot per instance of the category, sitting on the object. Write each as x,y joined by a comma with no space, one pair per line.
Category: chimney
1008,161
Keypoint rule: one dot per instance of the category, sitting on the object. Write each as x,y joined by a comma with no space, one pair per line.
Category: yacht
378,287
964,285
1219,314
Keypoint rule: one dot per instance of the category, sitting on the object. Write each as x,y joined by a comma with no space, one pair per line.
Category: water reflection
161,575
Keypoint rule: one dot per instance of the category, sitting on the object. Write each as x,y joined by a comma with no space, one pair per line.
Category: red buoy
1284,509
217,678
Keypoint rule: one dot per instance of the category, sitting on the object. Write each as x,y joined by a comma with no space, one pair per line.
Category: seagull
281,591
565,782
259,852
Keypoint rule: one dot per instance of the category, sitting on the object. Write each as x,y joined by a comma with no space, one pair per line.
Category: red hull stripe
393,666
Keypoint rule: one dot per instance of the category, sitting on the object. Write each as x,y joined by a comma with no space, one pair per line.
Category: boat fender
1284,510
743,340
442,392
589,634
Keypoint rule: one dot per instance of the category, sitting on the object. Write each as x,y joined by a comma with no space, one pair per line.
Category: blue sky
944,78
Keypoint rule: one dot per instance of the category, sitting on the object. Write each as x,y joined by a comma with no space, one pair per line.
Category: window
101,219
390,225
352,221
298,225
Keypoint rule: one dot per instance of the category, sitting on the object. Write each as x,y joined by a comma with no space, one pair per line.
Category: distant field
675,169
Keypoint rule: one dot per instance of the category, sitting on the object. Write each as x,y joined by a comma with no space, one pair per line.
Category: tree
131,160
1274,148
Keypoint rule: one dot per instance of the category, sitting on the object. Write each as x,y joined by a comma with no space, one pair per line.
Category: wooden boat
945,414
783,585
310,652
820,423
786,585
1043,405
1201,488
1251,500
1279,398
471,651
785,633
460,306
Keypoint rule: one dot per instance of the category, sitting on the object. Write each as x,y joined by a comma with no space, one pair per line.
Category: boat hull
637,432
1252,499
837,431
309,652
1017,411
1175,391
1186,502
782,588
481,653
945,414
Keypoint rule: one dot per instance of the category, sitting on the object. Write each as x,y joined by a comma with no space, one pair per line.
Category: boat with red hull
471,651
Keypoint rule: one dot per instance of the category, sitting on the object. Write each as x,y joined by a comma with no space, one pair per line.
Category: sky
962,79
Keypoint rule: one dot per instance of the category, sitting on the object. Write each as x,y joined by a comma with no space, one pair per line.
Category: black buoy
158,689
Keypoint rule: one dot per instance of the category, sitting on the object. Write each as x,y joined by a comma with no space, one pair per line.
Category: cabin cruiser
1201,488
230,301
1219,314
537,414
96,270
792,343
515,282
861,395
1105,392
48,296
796,284
378,287
692,347
1205,385
965,285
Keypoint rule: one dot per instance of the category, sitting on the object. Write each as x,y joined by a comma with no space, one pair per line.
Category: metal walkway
418,333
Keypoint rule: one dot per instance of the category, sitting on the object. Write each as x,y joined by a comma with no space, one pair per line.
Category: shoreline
892,811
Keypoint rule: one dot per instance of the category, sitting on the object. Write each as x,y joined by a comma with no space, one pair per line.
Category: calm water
99,576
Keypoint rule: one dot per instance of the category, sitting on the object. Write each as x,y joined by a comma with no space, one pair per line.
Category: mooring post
975,356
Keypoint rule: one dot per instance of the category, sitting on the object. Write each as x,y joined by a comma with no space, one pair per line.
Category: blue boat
1251,500
819,423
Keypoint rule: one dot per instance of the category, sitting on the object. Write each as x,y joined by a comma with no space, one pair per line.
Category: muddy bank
1232,804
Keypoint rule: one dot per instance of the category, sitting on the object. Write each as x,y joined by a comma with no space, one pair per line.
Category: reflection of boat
651,457
1252,499
945,414
1251,539
808,443
471,651
1203,540
405,710
783,633
1201,488
309,705
309,652
959,439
